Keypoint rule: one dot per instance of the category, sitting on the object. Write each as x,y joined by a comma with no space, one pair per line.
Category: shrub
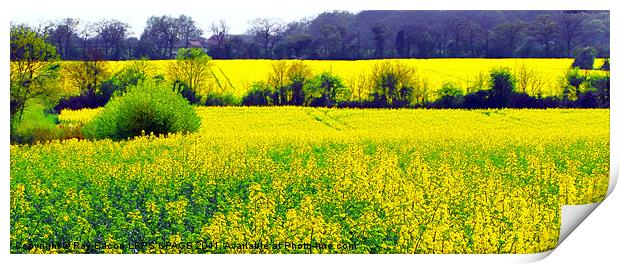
574,77
502,87
87,76
585,58
587,100
183,89
393,84
326,89
145,108
130,75
298,74
220,99
479,99
260,93
450,96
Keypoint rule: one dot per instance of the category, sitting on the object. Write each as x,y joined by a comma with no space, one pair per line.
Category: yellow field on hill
236,76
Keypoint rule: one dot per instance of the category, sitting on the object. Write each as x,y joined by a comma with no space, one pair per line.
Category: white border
597,239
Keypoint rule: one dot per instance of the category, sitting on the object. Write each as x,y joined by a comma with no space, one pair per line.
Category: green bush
220,99
503,85
260,93
326,89
146,108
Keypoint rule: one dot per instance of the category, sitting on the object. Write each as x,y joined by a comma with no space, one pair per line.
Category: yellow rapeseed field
236,76
381,181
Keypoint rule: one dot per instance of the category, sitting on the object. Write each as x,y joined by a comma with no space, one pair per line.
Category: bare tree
112,34
220,33
265,31
61,33
86,32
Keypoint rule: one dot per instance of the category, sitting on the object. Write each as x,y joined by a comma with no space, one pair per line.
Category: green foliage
260,93
130,75
29,45
298,74
146,108
585,58
88,76
394,84
192,67
35,125
502,87
327,89
449,89
574,79
220,99
34,70
450,96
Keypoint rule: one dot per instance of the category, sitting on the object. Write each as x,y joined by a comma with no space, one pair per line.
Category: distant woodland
339,35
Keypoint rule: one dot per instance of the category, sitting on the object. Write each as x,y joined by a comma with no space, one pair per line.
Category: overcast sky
237,13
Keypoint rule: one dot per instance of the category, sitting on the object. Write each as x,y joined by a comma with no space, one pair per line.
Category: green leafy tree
192,68
34,69
503,85
394,84
298,75
327,90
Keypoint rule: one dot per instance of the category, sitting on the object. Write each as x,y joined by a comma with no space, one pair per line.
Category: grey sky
237,13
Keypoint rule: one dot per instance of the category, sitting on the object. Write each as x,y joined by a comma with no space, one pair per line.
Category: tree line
343,35
36,91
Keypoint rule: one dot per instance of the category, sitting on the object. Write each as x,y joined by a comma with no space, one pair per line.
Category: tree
265,32
380,34
62,34
161,34
298,44
458,28
402,44
86,32
502,87
570,24
328,90
545,30
220,35
298,74
505,38
191,68
334,31
585,58
87,76
112,35
187,29
278,80
33,70
393,84
449,96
